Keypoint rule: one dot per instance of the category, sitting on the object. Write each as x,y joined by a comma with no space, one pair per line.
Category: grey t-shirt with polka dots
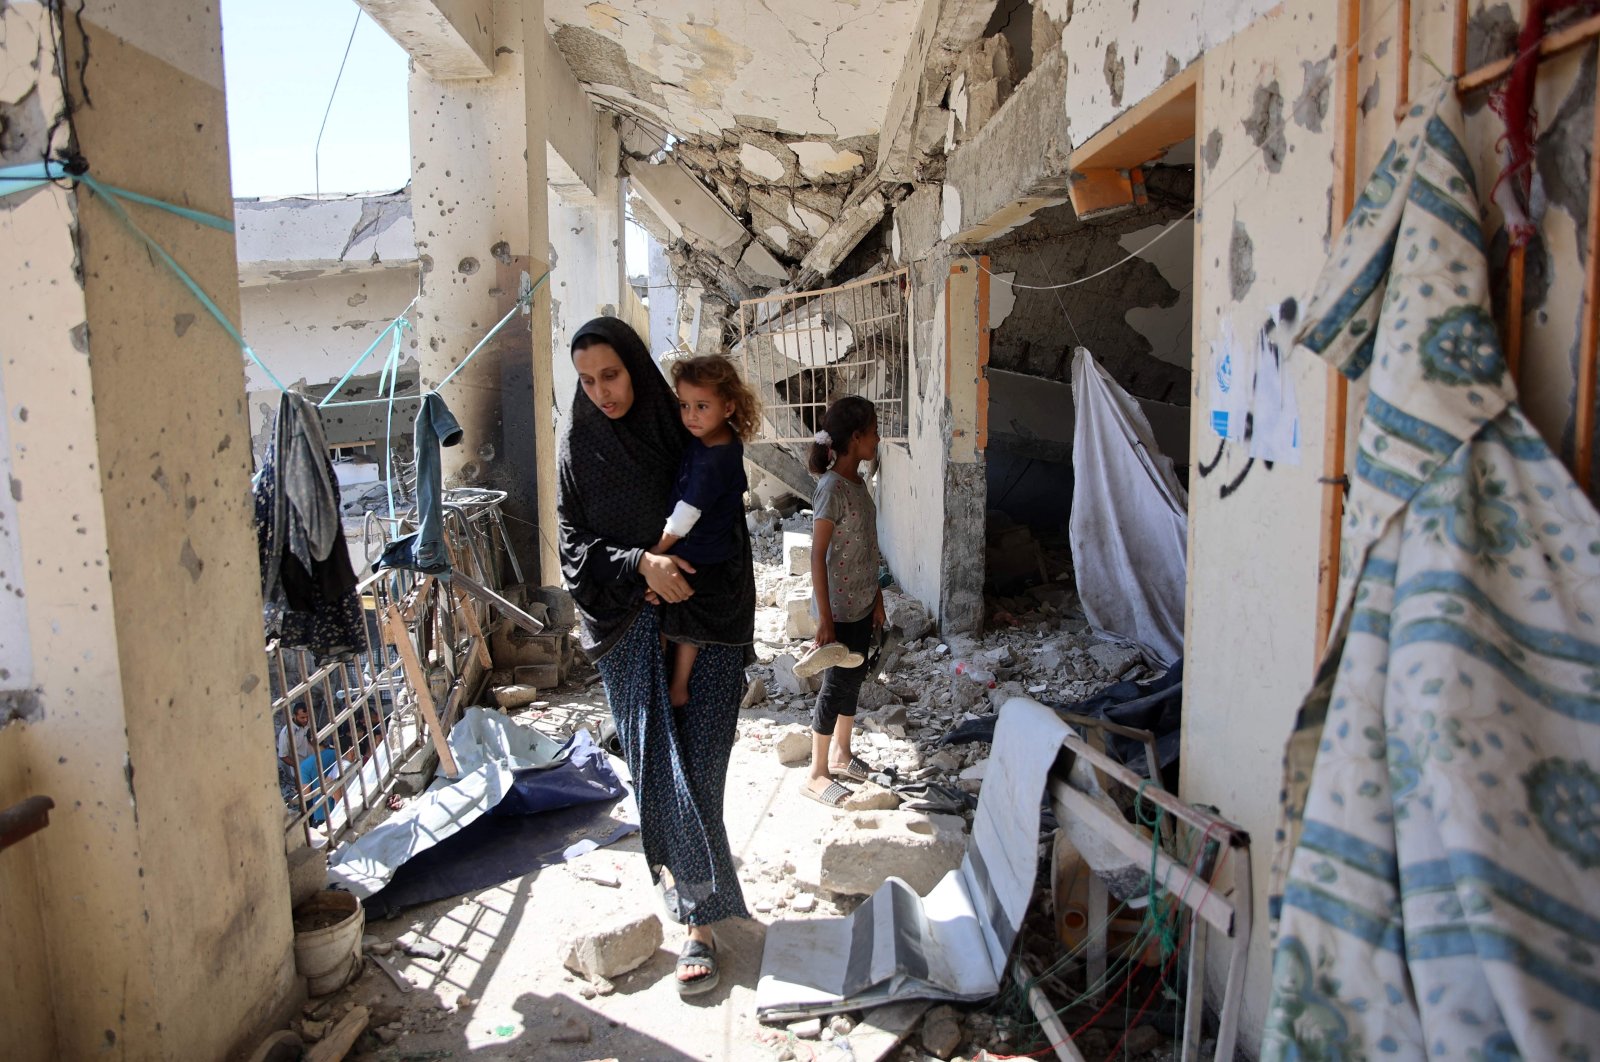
853,557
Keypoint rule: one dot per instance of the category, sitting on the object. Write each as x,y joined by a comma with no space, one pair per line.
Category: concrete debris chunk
753,696
862,849
810,1029
801,625
1115,658
907,615
612,949
871,797
797,552
793,746
790,683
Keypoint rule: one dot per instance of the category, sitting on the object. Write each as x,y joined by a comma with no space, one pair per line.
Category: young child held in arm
845,594
706,525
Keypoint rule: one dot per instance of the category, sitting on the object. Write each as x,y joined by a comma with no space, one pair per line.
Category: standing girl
845,593
706,526
619,458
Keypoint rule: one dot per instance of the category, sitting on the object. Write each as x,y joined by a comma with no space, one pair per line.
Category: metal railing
363,725
800,352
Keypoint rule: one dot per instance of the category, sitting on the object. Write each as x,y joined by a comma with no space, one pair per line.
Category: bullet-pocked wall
151,917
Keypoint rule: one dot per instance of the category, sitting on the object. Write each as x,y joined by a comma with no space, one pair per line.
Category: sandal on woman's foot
834,795
857,770
821,657
698,953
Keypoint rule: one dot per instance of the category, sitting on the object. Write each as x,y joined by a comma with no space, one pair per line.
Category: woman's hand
664,575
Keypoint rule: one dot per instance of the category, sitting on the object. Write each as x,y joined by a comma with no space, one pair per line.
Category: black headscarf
616,479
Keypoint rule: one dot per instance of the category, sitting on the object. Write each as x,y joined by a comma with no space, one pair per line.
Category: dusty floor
500,990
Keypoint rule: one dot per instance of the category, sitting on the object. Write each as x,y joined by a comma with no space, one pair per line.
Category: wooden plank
1403,53
469,619
1517,270
417,679
1049,1021
1194,1001
1590,341
1146,130
1011,216
1097,190
1233,991
1200,820
1459,63
1336,405
1554,44
509,610
1099,913
342,1037
1170,874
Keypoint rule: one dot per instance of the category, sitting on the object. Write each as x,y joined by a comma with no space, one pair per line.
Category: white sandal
821,657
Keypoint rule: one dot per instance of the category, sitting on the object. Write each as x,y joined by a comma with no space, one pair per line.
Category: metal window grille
361,714
800,352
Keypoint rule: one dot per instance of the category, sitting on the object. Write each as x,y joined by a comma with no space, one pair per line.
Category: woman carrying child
619,459
845,594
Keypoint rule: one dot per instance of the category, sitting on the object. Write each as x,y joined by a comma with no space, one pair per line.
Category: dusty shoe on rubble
821,657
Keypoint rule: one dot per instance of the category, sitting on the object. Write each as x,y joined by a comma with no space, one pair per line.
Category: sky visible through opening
281,58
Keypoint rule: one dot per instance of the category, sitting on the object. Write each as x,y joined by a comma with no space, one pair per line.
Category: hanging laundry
1439,855
424,550
308,587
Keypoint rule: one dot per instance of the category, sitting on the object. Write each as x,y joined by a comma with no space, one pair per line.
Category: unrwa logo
1225,373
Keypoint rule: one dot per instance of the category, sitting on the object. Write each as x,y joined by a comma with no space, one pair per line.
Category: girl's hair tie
824,439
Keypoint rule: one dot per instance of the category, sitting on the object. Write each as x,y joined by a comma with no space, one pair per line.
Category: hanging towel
435,427
1435,879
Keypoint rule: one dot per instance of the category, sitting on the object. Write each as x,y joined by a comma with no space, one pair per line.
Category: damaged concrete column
150,918
471,166
542,382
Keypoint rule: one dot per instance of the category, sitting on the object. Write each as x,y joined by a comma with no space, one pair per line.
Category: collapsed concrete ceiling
756,141
820,67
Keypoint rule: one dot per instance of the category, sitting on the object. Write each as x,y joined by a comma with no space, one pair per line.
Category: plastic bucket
328,955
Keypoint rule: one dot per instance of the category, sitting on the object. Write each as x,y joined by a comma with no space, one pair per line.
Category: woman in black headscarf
618,460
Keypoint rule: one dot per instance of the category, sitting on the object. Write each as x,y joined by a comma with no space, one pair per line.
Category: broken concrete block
872,797
800,624
941,1032
1114,658
809,1029
754,695
794,746
613,949
873,696
515,696
907,615
864,848
790,683
797,552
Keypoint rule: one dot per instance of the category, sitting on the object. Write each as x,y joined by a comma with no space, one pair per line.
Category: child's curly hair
718,373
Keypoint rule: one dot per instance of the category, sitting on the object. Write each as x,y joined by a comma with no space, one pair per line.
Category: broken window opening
800,352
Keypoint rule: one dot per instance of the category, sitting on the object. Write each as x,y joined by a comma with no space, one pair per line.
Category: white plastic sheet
1129,518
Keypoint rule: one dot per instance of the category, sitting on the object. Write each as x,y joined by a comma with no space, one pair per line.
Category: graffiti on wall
1252,397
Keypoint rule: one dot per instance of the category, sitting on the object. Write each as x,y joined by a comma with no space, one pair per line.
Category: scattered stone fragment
611,950
803,903
790,683
756,694
941,1032
422,948
386,1034
810,1029
571,1031
841,1024
794,746
872,797
1115,659
313,1030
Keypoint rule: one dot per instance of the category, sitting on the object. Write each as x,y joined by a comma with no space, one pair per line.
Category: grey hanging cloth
424,550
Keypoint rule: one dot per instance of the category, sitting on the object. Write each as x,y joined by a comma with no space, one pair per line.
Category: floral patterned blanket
1436,891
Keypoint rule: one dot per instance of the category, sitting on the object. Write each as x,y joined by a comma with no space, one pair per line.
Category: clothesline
17,179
